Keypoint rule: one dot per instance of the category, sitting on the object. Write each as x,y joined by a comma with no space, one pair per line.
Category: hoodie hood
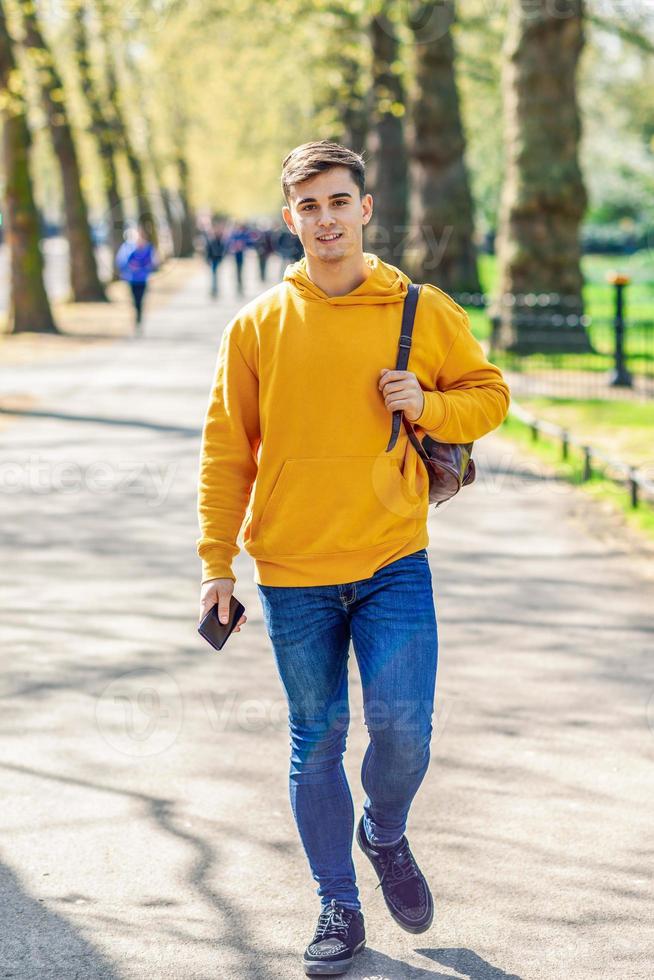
385,284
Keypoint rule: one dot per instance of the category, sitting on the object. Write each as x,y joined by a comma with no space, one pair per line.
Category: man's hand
401,390
219,590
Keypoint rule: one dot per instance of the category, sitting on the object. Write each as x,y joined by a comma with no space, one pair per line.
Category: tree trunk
187,221
354,111
29,308
342,96
144,212
163,194
102,131
85,282
114,116
387,230
442,247
167,203
543,198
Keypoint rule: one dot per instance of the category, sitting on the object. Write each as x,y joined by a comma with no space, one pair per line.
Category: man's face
328,205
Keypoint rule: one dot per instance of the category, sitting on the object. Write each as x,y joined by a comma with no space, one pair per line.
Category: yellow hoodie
295,410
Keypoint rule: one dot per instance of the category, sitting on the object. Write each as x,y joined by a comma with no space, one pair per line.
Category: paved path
145,824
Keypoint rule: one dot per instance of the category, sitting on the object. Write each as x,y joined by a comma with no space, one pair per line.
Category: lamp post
619,376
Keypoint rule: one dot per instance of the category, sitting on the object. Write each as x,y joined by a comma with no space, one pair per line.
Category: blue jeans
391,620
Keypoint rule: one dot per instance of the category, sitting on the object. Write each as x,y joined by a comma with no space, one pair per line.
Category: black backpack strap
404,349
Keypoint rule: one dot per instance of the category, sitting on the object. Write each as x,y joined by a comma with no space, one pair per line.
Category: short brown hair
314,158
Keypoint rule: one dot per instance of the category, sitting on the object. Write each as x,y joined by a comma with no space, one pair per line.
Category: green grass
621,429
599,300
548,450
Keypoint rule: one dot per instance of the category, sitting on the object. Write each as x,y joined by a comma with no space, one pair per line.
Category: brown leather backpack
449,465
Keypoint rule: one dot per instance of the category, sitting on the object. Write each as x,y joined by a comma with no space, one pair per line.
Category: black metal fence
601,372
617,362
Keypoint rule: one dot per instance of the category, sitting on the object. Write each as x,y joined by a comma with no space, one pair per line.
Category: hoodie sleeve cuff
216,567
433,411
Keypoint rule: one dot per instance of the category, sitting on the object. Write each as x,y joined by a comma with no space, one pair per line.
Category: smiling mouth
333,237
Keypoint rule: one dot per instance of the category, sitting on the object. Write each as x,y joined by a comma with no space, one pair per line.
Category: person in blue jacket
136,260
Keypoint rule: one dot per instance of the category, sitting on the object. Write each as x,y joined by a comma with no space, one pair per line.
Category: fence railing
618,361
589,375
634,480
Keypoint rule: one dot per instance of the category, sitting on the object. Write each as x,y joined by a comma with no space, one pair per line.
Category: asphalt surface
145,826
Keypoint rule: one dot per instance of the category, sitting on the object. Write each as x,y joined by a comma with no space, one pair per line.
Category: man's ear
368,199
288,219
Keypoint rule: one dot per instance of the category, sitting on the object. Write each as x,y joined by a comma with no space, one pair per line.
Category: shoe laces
400,864
333,921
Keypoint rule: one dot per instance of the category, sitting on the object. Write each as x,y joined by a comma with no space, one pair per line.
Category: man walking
301,410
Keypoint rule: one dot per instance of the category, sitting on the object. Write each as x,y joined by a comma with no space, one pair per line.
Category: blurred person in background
288,246
214,250
136,260
238,241
263,242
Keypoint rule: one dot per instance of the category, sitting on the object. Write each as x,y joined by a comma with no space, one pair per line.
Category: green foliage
237,83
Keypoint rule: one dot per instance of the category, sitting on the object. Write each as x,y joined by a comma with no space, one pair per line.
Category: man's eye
310,207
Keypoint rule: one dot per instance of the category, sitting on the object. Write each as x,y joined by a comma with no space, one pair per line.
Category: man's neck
338,278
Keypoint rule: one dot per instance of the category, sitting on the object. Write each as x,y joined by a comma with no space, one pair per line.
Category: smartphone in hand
215,632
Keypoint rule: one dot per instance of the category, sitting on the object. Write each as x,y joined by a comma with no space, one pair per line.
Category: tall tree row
101,89
118,123
100,126
543,194
178,123
164,196
388,87
423,213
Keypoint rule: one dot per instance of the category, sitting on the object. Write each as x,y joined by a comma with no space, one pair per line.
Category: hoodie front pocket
345,503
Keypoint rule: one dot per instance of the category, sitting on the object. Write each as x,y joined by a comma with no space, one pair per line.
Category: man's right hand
218,590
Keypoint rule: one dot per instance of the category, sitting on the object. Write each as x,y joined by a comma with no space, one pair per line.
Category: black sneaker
403,884
340,934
